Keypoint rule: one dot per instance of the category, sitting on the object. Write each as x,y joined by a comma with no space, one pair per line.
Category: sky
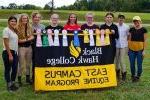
41,3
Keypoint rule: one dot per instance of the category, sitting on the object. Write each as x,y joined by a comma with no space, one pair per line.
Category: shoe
124,76
28,80
133,79
14,87
118,74
19,81
137,78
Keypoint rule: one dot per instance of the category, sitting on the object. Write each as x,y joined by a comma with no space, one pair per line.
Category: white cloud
41,3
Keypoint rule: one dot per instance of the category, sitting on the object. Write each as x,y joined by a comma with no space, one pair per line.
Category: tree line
110,5
96,5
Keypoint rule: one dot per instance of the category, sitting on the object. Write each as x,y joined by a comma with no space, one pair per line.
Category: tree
46,7
51,5
12,6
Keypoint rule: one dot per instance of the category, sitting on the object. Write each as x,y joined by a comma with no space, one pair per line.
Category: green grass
124,91
99,15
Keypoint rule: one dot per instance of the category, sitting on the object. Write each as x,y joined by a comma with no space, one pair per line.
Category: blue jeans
133,55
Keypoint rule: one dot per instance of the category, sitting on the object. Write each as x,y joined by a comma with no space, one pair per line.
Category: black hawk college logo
74,51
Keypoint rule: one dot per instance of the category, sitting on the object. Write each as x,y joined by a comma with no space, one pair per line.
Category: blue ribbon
76,41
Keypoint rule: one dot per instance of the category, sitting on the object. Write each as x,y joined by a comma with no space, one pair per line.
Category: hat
136,18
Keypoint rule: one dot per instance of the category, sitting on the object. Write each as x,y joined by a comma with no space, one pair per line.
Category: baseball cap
136,18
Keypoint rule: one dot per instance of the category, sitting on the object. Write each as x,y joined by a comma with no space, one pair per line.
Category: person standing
72,24
137,45
89,22
10,53
121,47
36,25
36,22
113,29
26,37
54,23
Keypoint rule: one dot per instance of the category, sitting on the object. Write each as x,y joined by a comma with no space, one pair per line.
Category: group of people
19,45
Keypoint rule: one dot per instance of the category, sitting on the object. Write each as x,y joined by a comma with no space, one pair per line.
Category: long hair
68,22
24,29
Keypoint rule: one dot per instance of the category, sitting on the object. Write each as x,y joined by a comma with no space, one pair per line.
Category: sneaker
14,87
133,79
29,82
124,76
137,78
20,84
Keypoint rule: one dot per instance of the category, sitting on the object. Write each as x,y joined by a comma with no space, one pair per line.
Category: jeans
10,67
133,55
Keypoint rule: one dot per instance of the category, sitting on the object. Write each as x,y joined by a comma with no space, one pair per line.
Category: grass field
124,91
99,15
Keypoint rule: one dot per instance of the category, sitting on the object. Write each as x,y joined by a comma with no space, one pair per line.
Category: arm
6,43
145,39
116,33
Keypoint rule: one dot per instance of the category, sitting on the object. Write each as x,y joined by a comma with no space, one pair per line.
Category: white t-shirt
13,39
123,30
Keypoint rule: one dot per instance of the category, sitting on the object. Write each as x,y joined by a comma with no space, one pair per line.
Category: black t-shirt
86,27
112,36
60,28
137,34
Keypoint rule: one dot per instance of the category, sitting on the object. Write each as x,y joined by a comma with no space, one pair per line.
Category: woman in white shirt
9,55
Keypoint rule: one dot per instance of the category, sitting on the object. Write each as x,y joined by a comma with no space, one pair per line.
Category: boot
118,74
19,81
124,76
28,79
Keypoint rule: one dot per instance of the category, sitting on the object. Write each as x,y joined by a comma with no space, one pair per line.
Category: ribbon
102,37
38,40
50,39
56,38
45,41
97,31
91,38
76,39
107,39
65,41
86,37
